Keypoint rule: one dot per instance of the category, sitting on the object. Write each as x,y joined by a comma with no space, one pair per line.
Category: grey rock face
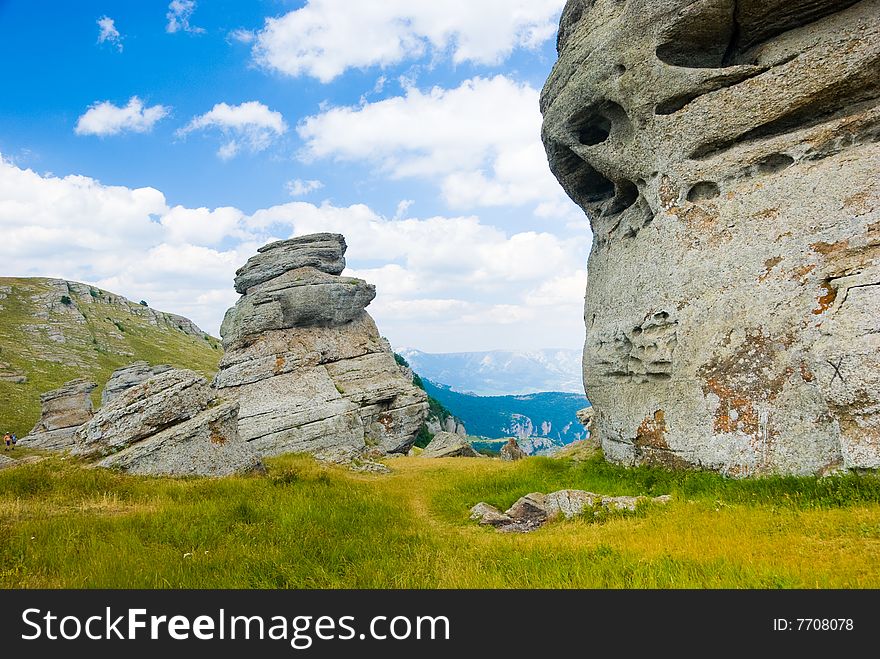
304,297
128,376
168,425
511,451
727,156
323,251
62,411
306,362
449,445
206,445
144,410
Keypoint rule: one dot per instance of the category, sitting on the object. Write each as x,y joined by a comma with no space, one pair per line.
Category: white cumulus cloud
179,13
107,32
325,37
299,188
480,141
444,283
250,125
104,118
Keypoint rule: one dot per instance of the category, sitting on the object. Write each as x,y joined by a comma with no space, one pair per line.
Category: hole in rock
578,178
773,163
593,124
703,190
626,194
594,132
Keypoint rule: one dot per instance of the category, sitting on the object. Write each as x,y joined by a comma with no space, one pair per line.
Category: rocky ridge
726,153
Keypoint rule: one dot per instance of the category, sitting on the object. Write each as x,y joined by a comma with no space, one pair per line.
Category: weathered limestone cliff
305,360
63,410
726,152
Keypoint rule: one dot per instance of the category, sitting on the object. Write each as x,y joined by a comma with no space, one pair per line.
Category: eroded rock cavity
726,153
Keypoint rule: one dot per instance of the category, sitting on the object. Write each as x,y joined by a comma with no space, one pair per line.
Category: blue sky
149,147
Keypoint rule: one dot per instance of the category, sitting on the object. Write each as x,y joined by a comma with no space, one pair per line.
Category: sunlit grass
309,526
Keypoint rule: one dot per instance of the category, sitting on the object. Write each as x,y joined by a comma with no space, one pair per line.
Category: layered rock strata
726,152
129,376
172,424
305,360
62,411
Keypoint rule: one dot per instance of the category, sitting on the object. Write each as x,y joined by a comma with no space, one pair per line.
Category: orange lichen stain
800,274
279,364
702,224
652,431
826,300
806,373
829,248
217,437
858,202
744,379
769,264
786,234
766,214
735,411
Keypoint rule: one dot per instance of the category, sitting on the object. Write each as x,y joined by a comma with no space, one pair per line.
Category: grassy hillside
309,526
52,331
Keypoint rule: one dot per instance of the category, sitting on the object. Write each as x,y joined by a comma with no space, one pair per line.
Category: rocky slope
726,152
53,331
305,360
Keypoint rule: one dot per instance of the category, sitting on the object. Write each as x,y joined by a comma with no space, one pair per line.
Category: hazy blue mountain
544,420
500,372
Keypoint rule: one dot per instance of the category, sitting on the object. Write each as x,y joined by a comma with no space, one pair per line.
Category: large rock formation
726,153
171,424
305,360
63,410
129,376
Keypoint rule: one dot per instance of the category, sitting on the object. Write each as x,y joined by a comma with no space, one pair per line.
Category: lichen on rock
726,153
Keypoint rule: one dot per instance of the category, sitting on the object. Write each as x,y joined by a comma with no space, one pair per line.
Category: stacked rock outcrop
62,411
305,361
726,152
171,424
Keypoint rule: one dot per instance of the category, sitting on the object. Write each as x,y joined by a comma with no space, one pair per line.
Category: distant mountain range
500,372
542,421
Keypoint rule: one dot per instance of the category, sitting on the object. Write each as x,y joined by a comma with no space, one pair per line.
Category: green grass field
305,525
